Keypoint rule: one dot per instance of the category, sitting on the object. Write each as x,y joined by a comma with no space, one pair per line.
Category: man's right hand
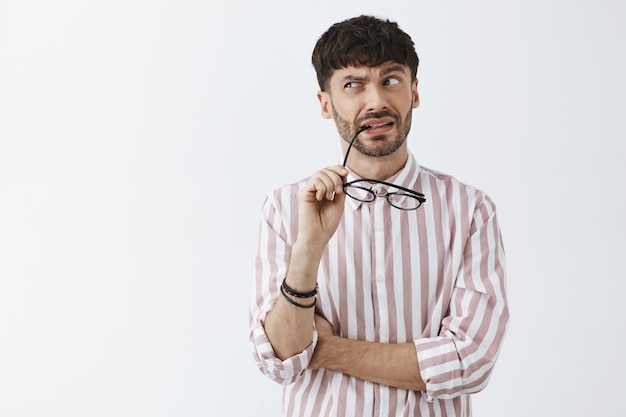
320,206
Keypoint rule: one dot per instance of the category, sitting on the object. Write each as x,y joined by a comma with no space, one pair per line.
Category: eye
391,81
351,84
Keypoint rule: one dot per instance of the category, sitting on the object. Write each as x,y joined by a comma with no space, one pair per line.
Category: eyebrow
351,77
386,71
393,68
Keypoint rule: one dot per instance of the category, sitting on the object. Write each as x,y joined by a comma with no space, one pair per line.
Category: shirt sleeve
460,359
273,254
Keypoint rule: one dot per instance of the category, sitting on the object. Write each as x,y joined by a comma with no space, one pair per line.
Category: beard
379,147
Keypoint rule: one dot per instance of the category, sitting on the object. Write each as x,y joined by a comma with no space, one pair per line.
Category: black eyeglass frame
406,191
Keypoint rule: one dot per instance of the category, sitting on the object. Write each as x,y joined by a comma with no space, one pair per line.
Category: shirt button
379,278
384,332
379,227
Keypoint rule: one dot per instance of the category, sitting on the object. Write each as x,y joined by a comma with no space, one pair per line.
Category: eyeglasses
399,197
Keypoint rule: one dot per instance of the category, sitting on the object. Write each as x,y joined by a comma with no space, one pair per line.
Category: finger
327,187
316,188
339,171
326,183
323,184
333,178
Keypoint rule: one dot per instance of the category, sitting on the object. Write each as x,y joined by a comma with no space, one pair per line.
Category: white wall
137,139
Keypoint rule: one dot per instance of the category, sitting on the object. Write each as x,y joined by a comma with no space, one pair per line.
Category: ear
416,96
325,104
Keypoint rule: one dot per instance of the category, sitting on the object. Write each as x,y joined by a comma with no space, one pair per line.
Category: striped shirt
434,276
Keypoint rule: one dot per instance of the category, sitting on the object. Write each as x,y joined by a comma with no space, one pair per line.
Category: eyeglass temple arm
358,132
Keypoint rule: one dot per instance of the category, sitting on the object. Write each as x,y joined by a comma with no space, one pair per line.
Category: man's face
359,96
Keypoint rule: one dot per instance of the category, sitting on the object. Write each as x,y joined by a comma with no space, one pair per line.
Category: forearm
288,327
389,364
320,209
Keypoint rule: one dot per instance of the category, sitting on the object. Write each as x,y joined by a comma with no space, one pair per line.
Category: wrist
309,251
327,349
285,288
301,300
303,267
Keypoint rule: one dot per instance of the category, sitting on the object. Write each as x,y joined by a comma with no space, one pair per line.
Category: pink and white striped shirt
434,276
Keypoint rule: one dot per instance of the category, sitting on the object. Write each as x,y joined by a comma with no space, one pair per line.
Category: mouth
376,129
376,125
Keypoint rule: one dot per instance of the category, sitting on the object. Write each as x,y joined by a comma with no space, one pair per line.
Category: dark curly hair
362,40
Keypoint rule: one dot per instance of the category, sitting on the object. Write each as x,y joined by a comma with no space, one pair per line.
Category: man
380,284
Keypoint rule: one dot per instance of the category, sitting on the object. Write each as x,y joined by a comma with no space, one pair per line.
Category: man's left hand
324,333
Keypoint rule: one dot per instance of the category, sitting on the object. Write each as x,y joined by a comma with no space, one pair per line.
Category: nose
376,99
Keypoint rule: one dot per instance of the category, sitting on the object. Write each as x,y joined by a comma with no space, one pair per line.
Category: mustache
378,115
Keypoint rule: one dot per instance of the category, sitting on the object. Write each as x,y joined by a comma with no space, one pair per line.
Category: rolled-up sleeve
459,360
282,371
273,253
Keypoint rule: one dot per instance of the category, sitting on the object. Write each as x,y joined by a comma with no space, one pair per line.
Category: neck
378,168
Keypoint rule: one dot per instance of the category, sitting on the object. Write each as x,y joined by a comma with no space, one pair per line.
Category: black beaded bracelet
284,287
295,303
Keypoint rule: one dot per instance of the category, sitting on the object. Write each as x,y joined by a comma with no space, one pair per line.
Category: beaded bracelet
295,293
295,303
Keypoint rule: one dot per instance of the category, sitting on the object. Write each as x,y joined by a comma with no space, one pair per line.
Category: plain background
138,139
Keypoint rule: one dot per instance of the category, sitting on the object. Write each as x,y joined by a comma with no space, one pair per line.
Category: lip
379,126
